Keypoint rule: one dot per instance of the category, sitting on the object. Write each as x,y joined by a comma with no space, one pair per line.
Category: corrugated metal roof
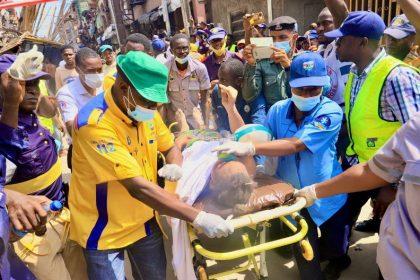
27,37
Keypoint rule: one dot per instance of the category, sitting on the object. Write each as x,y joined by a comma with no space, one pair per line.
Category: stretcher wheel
307,251
202,274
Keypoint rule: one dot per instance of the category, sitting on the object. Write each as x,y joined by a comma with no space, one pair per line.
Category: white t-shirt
72,97
337,70
162,57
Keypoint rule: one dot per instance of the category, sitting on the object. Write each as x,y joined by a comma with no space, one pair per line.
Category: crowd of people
341,102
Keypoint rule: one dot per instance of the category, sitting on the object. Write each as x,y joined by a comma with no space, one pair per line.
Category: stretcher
258,221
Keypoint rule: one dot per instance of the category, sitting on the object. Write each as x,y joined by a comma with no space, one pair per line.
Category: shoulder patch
92,112
322,122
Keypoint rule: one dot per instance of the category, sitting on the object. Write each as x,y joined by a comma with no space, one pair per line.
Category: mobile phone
262,48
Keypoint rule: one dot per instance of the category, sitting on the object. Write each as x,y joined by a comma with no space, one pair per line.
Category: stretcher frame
258,220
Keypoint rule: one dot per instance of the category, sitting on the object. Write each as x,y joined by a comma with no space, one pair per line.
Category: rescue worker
397,162
116,140
305,128
32,149
189,83
12,206
331,16
381,94
265,81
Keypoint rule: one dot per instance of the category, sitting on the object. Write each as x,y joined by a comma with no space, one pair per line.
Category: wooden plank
383,9
389,12
7,4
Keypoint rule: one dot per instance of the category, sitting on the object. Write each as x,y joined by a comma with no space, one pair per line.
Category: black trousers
357,200
332,244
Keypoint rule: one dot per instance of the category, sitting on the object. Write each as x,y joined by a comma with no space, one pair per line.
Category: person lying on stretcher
231,180
219,184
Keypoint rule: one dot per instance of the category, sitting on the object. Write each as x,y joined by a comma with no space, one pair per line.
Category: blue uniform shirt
319,132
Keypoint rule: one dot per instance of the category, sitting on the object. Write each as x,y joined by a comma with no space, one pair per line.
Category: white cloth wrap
198,163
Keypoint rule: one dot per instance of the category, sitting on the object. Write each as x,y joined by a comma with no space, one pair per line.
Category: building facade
150,15
228,14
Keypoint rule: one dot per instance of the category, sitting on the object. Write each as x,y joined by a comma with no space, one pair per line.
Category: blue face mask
285,45
305,104
140,113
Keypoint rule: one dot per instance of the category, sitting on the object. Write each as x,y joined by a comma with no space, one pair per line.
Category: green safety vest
368,131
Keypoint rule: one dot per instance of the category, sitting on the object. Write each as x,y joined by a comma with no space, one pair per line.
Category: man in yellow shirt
116,138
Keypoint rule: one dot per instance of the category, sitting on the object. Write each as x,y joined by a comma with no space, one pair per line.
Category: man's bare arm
345,182
411,9
338,9
47,107
282,147
205,106
158,199
173,155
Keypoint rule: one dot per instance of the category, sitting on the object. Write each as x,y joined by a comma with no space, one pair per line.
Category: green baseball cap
146,74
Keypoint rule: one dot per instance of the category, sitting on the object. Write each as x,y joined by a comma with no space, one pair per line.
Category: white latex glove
26,65
171,172
308,193
236,148
212,225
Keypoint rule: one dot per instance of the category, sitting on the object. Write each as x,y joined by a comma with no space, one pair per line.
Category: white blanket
197,166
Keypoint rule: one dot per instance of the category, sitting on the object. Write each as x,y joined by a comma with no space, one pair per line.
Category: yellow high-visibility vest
367,130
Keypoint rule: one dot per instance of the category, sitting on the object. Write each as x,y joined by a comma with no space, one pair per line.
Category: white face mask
182,61
140,113
305,104
94,80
